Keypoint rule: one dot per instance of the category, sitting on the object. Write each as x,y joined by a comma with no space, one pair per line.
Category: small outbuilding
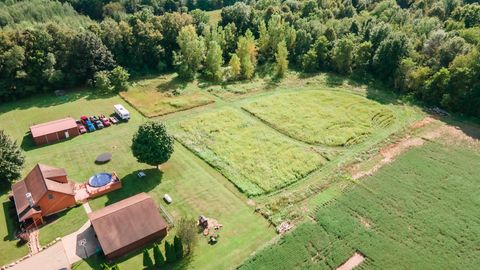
54,131
128,225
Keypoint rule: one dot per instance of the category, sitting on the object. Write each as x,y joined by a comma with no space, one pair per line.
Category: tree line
425,49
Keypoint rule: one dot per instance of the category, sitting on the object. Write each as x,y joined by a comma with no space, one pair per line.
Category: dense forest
428,49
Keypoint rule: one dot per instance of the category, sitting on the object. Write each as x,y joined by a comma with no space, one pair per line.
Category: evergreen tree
281,58
214,62
147,261
158,256
11,159
169,252
178,247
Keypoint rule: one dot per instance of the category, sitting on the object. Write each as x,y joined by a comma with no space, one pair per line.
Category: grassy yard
324,117
255,158
195,187
419,212
64,223
164,95
10,251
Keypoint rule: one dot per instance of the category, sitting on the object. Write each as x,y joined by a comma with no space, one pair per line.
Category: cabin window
50,196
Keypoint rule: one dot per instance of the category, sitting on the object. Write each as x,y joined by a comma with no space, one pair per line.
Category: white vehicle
121,112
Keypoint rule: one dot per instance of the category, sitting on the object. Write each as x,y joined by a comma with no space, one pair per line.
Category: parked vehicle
105,121
89,125
84,120
93,118
121,112
113,120
81,127
99,124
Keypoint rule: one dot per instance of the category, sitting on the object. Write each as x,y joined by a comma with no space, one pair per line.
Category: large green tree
147,260
192,52
281,58
214,62
158,256
343,55
152,144
11,159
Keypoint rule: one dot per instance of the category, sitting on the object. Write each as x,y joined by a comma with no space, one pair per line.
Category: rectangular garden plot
323,117
163,95
252,156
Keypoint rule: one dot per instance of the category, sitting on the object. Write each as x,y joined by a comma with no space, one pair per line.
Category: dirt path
352,262
390,152
447,133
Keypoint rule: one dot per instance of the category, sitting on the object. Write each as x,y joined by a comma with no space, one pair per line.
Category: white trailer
121,112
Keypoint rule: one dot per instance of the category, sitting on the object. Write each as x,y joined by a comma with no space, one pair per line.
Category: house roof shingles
52,126
125,222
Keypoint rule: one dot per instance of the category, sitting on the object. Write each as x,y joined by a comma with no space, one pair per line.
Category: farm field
324,117
423,207
195,187
162,95
255,158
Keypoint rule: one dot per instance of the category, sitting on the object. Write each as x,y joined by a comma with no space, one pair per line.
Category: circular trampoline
103,158
100,179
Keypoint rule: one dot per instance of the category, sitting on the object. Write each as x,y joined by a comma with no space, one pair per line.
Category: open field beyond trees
164,95
323,117
418,212
255,158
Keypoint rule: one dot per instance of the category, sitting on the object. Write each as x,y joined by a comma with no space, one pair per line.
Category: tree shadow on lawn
132,185
172,84
50,99
10,215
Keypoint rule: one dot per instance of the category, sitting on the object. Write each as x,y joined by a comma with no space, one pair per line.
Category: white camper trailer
121,112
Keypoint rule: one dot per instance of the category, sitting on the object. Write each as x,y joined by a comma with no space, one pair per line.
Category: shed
54,131
128,225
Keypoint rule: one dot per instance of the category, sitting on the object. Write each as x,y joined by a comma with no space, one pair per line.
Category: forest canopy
428,49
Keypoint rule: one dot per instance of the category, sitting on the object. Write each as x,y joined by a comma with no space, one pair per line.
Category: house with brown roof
54,131
128,225
44,191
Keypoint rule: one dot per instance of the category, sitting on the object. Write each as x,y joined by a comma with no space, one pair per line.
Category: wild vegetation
425,49
422,207
328,118
252,156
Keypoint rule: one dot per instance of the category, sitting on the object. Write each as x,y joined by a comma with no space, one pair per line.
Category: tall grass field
323,117
254,157
420,212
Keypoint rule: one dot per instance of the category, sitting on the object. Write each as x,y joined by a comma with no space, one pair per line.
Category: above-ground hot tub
100,179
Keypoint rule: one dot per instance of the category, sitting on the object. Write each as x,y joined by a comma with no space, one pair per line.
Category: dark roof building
128,225
44,191
54,131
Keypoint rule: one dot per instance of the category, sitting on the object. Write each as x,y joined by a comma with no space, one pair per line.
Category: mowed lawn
420,212
164,95
254,157
195,187
76,155
331,118
9,251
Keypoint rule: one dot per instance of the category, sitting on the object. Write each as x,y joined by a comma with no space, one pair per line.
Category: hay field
420,212
164,95
329,118
252,156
